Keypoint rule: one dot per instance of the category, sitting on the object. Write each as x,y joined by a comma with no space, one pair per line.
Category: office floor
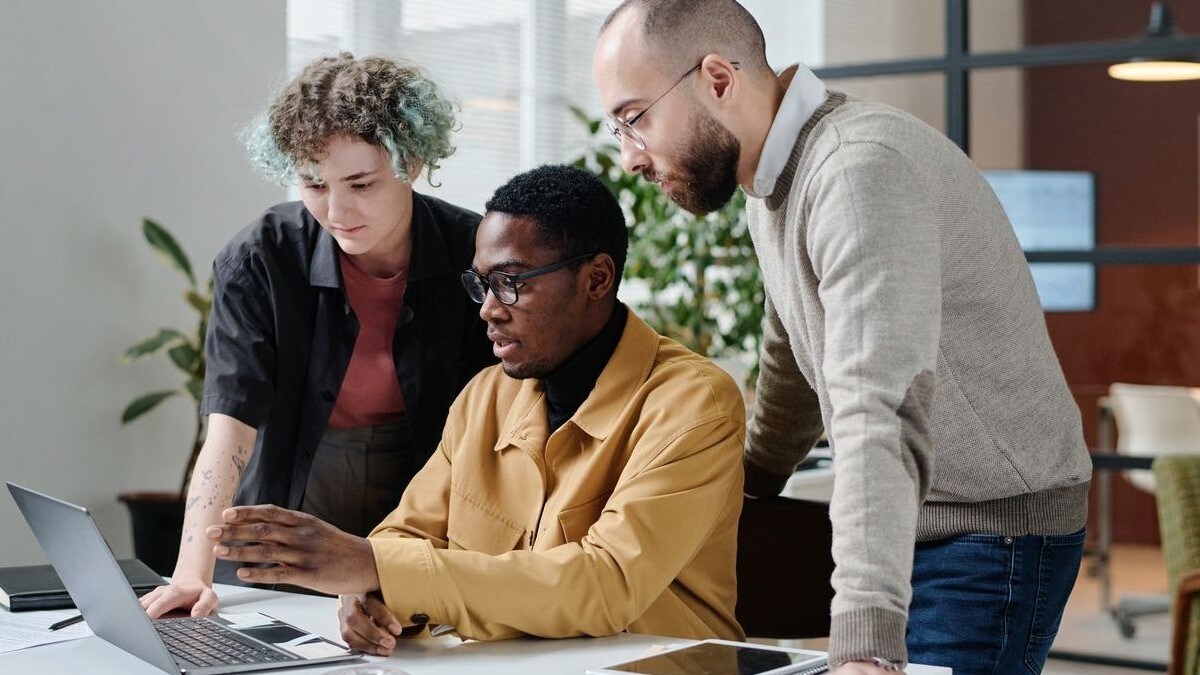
1137,570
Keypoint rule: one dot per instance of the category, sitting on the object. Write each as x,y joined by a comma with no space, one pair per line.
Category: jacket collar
526,426
324,270
429,255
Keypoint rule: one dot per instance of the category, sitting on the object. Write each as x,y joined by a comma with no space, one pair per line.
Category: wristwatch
890,666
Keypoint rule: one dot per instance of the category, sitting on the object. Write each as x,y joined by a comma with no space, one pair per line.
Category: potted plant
157,517
701,273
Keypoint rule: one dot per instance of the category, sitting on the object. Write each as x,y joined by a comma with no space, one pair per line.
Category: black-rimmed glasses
620,128
505,286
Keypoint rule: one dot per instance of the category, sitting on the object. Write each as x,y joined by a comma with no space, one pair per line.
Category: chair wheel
1127,628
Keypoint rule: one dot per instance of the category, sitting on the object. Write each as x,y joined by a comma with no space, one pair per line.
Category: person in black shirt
339,333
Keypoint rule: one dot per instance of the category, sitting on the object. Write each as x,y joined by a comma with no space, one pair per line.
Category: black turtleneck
571,383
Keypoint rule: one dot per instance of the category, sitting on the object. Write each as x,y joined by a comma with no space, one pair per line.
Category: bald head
681,32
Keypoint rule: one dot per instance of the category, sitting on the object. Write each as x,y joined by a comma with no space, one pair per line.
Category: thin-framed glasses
506,286
620,128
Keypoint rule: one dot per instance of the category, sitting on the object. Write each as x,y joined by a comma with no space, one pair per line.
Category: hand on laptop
367,624
305,551
194,596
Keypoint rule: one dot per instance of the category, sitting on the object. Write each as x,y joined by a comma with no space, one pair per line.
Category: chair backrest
784,563
1178,499
1154,420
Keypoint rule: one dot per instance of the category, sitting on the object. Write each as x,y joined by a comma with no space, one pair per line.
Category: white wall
794,31
108,112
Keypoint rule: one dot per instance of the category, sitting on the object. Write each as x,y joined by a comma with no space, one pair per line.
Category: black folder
38,587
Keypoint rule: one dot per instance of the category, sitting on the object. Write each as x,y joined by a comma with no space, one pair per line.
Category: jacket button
328,396
420,618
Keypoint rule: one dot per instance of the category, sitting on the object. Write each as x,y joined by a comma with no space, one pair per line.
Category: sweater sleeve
873,240
786,422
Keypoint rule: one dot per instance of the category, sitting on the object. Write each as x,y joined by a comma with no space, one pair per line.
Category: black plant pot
157,519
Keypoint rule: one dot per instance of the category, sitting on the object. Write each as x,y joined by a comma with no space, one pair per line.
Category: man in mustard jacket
590,483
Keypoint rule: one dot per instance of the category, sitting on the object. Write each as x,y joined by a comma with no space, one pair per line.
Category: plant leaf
166,246
185,356
198,302
195,387
144,404
166,337
592,124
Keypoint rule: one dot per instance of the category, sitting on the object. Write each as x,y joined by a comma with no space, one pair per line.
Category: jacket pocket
473,526
577,520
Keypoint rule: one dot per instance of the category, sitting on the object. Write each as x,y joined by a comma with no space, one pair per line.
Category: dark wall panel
1140,139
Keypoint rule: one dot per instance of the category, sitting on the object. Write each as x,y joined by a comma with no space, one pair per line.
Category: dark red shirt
370,392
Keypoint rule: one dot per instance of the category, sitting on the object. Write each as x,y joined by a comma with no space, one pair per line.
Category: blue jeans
988,603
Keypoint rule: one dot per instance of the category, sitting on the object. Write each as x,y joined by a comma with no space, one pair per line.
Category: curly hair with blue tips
389,103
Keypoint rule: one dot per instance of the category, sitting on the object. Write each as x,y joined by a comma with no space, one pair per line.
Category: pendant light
1160,68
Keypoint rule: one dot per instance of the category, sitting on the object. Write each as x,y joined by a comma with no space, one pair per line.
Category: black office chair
784,562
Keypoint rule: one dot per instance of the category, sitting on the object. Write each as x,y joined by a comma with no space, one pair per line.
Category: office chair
1178,484
784,563
1151,421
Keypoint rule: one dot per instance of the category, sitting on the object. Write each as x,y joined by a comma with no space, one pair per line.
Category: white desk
812,484
439,656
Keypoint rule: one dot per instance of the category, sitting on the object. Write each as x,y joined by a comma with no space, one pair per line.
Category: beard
707,176
525,371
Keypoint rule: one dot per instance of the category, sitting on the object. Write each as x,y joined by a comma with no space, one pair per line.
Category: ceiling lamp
1158,69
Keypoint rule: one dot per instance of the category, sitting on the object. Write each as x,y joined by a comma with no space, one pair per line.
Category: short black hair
573,211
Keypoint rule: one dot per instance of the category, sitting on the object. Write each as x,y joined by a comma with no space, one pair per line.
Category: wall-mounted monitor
1053,211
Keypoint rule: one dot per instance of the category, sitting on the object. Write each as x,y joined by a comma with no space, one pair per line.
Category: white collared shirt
804,95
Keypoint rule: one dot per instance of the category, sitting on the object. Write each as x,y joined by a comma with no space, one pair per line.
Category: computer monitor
1053,211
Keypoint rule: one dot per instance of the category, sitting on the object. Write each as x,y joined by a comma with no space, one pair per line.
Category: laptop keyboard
205,643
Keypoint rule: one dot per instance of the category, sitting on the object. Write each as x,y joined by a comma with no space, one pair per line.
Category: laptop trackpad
273,634
283,636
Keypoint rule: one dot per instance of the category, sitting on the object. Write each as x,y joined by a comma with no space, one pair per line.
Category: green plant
704,283
184,349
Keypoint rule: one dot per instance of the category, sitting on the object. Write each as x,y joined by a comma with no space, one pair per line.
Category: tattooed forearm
239,462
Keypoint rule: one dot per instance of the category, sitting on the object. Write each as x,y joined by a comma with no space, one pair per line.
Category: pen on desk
66,622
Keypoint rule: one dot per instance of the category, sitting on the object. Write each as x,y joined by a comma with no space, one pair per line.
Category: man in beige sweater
901,320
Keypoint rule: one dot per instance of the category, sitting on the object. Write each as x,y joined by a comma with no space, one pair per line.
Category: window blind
514,67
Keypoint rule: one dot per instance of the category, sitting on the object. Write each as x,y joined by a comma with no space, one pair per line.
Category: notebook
38,586
197,646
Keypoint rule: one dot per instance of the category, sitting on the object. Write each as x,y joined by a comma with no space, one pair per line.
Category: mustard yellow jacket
625,518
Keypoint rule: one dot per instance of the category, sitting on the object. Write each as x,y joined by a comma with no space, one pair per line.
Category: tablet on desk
722,657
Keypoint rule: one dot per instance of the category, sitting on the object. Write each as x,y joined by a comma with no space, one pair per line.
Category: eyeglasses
620,128
504,285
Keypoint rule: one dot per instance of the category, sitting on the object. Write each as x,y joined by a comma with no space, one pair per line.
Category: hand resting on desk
191,595
368,625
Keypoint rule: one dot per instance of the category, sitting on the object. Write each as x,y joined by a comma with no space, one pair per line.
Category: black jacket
282,332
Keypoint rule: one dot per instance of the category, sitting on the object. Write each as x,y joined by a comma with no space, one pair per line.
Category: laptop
194,646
